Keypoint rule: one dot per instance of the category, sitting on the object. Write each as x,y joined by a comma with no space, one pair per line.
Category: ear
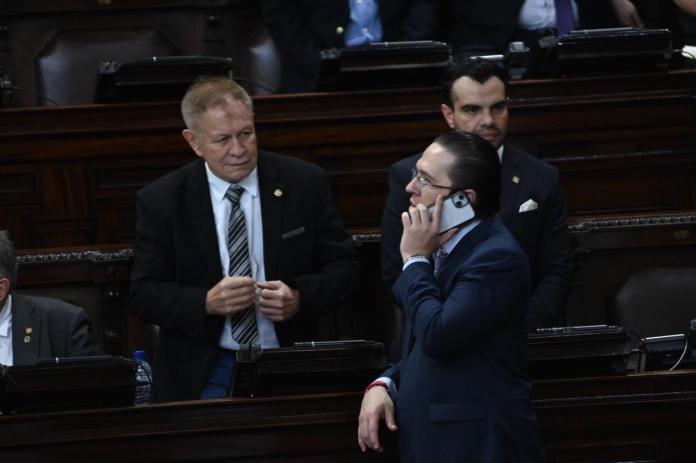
448,114
472,195
4,289
190,138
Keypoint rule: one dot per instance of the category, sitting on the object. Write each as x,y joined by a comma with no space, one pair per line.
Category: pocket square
291,233
529,205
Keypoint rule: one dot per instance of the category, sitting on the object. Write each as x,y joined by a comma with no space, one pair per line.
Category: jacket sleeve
486,293
336,265
156,294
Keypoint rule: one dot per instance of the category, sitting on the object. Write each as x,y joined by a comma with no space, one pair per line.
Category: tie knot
233,193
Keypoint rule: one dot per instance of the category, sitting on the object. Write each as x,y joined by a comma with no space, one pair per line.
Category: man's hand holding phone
421,236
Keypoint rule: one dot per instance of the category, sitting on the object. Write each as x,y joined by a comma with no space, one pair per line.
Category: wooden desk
622,144
646,417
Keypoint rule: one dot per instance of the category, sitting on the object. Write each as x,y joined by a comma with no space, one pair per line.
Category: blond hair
208,92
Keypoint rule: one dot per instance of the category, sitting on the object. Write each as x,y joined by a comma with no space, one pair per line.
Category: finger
275,284
423,214
389,418
272,313
361,432
405,219
361,443
238,282
373,433
270,302
437,212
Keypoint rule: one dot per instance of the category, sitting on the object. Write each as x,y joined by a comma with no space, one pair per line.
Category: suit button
339,30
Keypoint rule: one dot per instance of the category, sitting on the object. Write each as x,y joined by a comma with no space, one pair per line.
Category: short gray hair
8,258
208,92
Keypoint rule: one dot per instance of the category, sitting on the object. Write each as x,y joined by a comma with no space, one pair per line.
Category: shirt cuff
413,260
393,392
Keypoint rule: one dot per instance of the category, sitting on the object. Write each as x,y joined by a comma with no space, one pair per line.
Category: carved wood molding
614,223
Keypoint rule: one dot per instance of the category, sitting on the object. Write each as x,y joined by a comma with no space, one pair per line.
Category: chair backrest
656,301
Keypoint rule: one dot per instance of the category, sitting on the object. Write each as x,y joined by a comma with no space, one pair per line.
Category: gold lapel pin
515,179
28,330
278,193
27,339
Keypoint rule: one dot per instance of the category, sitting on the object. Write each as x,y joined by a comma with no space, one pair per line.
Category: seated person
241,247
32,328
302,28
484,27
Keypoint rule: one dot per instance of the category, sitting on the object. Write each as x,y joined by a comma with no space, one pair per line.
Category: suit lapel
462,249
511,183
200,210
26,332
272,191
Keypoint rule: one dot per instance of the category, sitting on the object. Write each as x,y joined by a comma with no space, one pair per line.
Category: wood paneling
646,417
625,144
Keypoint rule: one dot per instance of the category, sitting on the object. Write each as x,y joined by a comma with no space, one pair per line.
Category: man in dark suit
32,328
533,207
193,276
460,392
302,28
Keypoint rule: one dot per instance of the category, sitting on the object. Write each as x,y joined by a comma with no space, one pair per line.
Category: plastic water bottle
143,379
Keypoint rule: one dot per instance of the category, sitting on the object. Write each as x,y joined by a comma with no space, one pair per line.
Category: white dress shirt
250,202
6,332
540,14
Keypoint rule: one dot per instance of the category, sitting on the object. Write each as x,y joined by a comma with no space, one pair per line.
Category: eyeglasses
423,183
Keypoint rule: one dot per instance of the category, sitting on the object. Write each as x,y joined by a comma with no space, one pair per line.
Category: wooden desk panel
646,417
622,144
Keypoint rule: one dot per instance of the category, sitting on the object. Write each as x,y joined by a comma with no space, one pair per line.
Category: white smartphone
456,210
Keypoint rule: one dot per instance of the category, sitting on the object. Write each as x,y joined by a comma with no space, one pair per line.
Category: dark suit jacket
302,28
463,394
176,261
43,328
543,233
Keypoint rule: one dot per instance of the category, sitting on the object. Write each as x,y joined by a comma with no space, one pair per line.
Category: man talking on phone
532,203
460,391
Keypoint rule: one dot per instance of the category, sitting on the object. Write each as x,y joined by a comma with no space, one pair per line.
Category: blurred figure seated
302,28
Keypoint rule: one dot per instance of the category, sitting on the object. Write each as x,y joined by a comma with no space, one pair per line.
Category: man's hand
420,237
376,406
230,295
278,301
627,13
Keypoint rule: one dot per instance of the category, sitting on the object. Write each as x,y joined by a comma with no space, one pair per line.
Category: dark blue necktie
565,21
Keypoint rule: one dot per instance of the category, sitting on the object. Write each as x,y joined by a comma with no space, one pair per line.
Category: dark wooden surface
623,144
646,417
607,250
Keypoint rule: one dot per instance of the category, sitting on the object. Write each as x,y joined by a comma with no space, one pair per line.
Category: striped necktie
244,329
438,259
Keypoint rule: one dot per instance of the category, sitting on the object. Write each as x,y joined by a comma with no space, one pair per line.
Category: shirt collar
449,245
6,317
218,186
500,153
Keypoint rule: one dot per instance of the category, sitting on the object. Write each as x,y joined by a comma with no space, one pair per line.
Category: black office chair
656,301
